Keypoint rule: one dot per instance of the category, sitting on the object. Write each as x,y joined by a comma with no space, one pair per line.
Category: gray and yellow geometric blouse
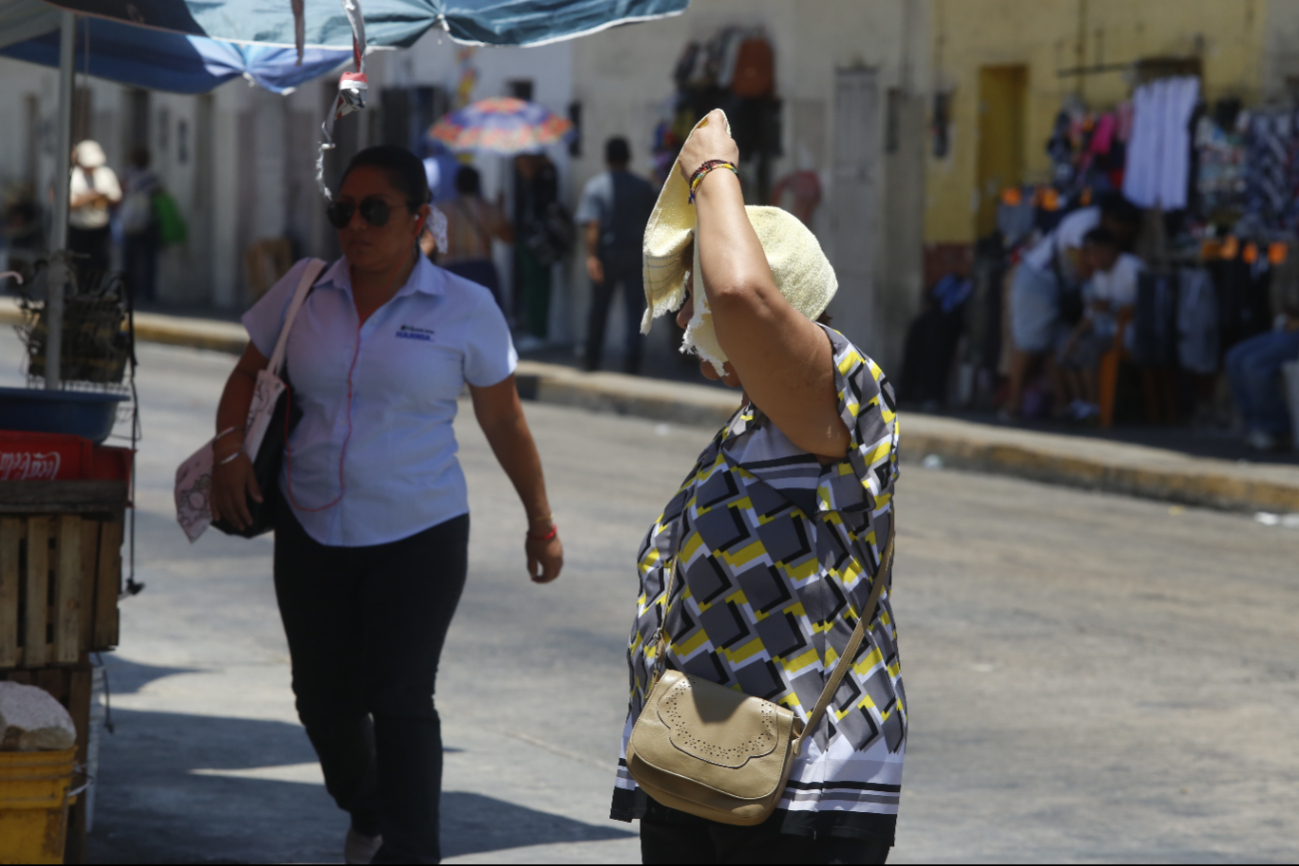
778,555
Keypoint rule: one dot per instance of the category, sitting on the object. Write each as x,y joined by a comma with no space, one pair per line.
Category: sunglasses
374,210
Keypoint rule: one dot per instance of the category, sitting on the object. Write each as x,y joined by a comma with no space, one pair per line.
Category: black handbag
271,419
266,469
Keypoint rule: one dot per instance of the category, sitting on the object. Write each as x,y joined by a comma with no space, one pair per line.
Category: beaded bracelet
703,170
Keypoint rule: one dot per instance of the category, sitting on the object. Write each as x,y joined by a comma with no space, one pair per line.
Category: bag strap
309,276
849,653
854,643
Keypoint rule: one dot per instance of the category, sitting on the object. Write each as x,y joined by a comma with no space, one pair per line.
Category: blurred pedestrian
472,225
536,193
1045,299
1109,295
615,207
1257,385
93,190
140,226
762,566
372,527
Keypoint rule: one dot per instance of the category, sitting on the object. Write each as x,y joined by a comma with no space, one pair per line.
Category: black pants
366,627
620,269
671,836
140,255
95,243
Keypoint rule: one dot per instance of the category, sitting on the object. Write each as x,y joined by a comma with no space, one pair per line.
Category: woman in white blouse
371,551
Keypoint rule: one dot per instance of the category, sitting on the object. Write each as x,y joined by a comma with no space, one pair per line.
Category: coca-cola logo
29,466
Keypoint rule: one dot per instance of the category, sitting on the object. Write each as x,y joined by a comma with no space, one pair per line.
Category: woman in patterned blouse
780,527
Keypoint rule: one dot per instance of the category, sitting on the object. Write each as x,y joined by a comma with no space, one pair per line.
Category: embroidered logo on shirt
410,332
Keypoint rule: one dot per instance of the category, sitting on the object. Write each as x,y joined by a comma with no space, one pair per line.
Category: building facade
1002,69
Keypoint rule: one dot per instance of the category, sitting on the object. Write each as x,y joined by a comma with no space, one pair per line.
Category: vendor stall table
60,578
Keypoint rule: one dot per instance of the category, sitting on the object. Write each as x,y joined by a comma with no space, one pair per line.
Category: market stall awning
160,60
393,23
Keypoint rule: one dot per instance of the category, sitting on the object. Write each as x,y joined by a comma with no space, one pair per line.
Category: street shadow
127,677
475,824
152,805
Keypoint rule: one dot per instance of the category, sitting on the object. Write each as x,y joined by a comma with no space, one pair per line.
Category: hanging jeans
621,268
1254,373
365,627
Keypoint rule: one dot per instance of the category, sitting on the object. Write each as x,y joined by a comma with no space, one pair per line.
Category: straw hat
90,154
801,271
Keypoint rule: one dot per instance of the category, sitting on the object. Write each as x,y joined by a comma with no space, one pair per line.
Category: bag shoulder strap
854,643
309,277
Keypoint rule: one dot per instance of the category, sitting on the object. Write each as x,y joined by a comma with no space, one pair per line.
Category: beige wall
1048,35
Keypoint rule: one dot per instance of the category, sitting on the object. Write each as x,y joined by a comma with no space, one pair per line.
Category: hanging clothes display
1158,157
1271,174
1220,175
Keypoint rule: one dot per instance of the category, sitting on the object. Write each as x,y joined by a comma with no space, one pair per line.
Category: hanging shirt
386,458
778,555
1158,166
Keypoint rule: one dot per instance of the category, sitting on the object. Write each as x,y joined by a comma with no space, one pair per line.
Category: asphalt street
1090,677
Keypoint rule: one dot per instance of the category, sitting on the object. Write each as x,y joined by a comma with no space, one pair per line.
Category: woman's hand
544,553
232,484
709,141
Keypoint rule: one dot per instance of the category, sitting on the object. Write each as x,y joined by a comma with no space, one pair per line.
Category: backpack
754,76
171,225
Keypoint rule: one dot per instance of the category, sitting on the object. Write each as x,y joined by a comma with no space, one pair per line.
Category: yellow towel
801,271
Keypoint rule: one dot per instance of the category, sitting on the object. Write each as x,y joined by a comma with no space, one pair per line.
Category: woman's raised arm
783,360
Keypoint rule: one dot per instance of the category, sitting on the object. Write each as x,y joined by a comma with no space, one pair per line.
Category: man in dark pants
615,207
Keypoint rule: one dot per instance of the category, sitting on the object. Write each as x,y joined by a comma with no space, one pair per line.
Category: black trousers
95,243
366,627
670,836
620,269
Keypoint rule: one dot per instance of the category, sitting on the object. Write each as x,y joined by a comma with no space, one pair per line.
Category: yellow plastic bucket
34,805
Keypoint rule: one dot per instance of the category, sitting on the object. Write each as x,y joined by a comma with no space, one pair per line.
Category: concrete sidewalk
1052,458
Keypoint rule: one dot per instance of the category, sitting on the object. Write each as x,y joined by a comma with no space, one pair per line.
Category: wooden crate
60,576
70,686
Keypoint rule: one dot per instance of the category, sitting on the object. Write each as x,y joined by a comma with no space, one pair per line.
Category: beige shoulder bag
717,753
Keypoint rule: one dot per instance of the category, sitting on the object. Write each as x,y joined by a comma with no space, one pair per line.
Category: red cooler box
59,457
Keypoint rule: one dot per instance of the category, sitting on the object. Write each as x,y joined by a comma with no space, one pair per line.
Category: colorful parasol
501,124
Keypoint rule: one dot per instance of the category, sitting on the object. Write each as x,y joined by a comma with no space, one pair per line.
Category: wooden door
1002,91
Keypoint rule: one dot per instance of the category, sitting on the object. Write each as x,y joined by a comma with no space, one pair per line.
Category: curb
1110,468
1050,458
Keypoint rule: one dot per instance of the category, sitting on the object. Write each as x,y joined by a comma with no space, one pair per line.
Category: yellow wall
1048,35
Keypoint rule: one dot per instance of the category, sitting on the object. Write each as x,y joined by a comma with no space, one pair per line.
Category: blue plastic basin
82,413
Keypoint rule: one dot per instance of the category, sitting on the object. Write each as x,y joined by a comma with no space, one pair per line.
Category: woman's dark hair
617,151
1120,210
1101,237
404,171
468,181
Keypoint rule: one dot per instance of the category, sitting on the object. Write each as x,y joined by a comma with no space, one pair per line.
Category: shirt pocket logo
410,332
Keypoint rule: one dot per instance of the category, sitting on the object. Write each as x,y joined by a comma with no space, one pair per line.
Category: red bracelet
554,530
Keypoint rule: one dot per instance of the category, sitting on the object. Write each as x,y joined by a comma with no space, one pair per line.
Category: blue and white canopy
159,60
394,23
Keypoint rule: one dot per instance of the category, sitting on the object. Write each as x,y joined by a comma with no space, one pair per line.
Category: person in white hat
779,531
93,190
